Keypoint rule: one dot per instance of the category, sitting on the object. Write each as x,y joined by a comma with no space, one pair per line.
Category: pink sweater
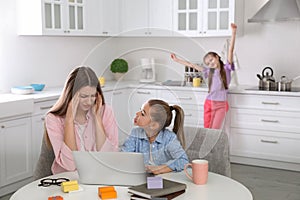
63,155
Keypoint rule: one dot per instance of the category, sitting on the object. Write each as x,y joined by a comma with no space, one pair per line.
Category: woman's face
87,97
142,117
212,61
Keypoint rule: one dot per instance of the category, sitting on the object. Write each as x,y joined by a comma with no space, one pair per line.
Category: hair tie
171,108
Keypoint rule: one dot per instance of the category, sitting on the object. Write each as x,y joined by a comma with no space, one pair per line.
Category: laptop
110,168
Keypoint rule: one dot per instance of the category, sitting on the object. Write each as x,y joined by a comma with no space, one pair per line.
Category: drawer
193,117
265,102
279,121
43,106
244,143
183,97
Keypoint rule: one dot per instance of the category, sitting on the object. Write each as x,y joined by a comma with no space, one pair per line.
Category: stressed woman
80,120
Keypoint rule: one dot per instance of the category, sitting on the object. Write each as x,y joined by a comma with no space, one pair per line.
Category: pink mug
199,171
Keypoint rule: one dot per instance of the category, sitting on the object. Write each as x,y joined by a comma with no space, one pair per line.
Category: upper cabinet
202,18
193,18
146,17
58,17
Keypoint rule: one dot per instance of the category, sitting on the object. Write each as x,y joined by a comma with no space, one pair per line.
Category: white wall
27,59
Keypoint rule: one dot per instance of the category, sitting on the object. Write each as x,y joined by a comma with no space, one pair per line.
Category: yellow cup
196,82
102,81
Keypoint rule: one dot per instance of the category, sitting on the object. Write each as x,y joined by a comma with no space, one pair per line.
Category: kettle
267,81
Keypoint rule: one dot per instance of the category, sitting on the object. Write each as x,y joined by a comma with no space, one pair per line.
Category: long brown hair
79,77
211,71
161,112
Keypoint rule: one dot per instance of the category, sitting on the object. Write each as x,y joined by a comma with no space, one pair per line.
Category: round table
217,187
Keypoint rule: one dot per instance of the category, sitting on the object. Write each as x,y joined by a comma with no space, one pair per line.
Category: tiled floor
264,183
268,184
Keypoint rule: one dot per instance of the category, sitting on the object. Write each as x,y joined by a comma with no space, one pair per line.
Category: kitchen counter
54,93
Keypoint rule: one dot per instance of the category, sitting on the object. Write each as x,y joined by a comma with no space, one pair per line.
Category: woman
80,120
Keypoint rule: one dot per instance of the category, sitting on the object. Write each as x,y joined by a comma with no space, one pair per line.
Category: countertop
54,93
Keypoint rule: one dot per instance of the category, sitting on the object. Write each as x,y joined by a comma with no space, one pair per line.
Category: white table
217,187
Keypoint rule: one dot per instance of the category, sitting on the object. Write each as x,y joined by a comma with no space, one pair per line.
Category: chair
211,145
43,167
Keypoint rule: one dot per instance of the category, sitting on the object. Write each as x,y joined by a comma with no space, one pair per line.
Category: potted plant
118,67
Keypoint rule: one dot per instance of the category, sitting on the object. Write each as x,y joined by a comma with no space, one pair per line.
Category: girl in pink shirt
80,120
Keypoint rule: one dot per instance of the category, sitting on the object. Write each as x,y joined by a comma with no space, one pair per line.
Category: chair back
45,161
211,145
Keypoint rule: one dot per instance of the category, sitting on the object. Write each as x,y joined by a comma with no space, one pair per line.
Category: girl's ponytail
178,124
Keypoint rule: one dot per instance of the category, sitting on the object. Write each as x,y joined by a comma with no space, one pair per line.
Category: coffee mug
102,81
196,82
199,171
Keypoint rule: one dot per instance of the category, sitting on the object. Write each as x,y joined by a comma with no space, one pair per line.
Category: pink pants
214,113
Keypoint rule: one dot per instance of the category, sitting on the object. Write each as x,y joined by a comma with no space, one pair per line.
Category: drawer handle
185,98
139,92
270,103
269,141
46,107
117,93
271,121
188,115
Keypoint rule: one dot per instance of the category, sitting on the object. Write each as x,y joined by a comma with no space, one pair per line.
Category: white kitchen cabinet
15,150
38,127
109,17
265,130
202,18
120,105
58,17
146,17
191,102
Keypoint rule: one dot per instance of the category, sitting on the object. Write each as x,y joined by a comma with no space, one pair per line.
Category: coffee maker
148,70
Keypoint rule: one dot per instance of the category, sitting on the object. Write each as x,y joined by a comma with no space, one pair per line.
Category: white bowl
22,90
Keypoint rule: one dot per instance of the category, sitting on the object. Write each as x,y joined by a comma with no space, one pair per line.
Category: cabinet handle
139,92
185,98
43,118
66,31
46,107
270,103
188,115
269,141
271,121
105,32
117,93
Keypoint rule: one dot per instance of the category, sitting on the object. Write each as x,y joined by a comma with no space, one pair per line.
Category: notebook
169,187
110,168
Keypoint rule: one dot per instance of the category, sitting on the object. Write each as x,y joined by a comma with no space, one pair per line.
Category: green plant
119,65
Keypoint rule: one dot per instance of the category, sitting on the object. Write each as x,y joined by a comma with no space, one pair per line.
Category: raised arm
186,63
232,42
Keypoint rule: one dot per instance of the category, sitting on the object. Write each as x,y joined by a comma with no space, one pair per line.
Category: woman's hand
158,169
72,108
98,105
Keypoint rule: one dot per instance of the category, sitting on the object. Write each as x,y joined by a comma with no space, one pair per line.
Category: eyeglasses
52,181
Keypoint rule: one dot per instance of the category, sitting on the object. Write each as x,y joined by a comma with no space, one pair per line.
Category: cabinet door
53,15
160,17
217,16
121,107
16,153
110,17
37,136
187,17
134,17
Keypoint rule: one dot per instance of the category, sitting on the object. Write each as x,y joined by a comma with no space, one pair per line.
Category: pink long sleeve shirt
63,155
